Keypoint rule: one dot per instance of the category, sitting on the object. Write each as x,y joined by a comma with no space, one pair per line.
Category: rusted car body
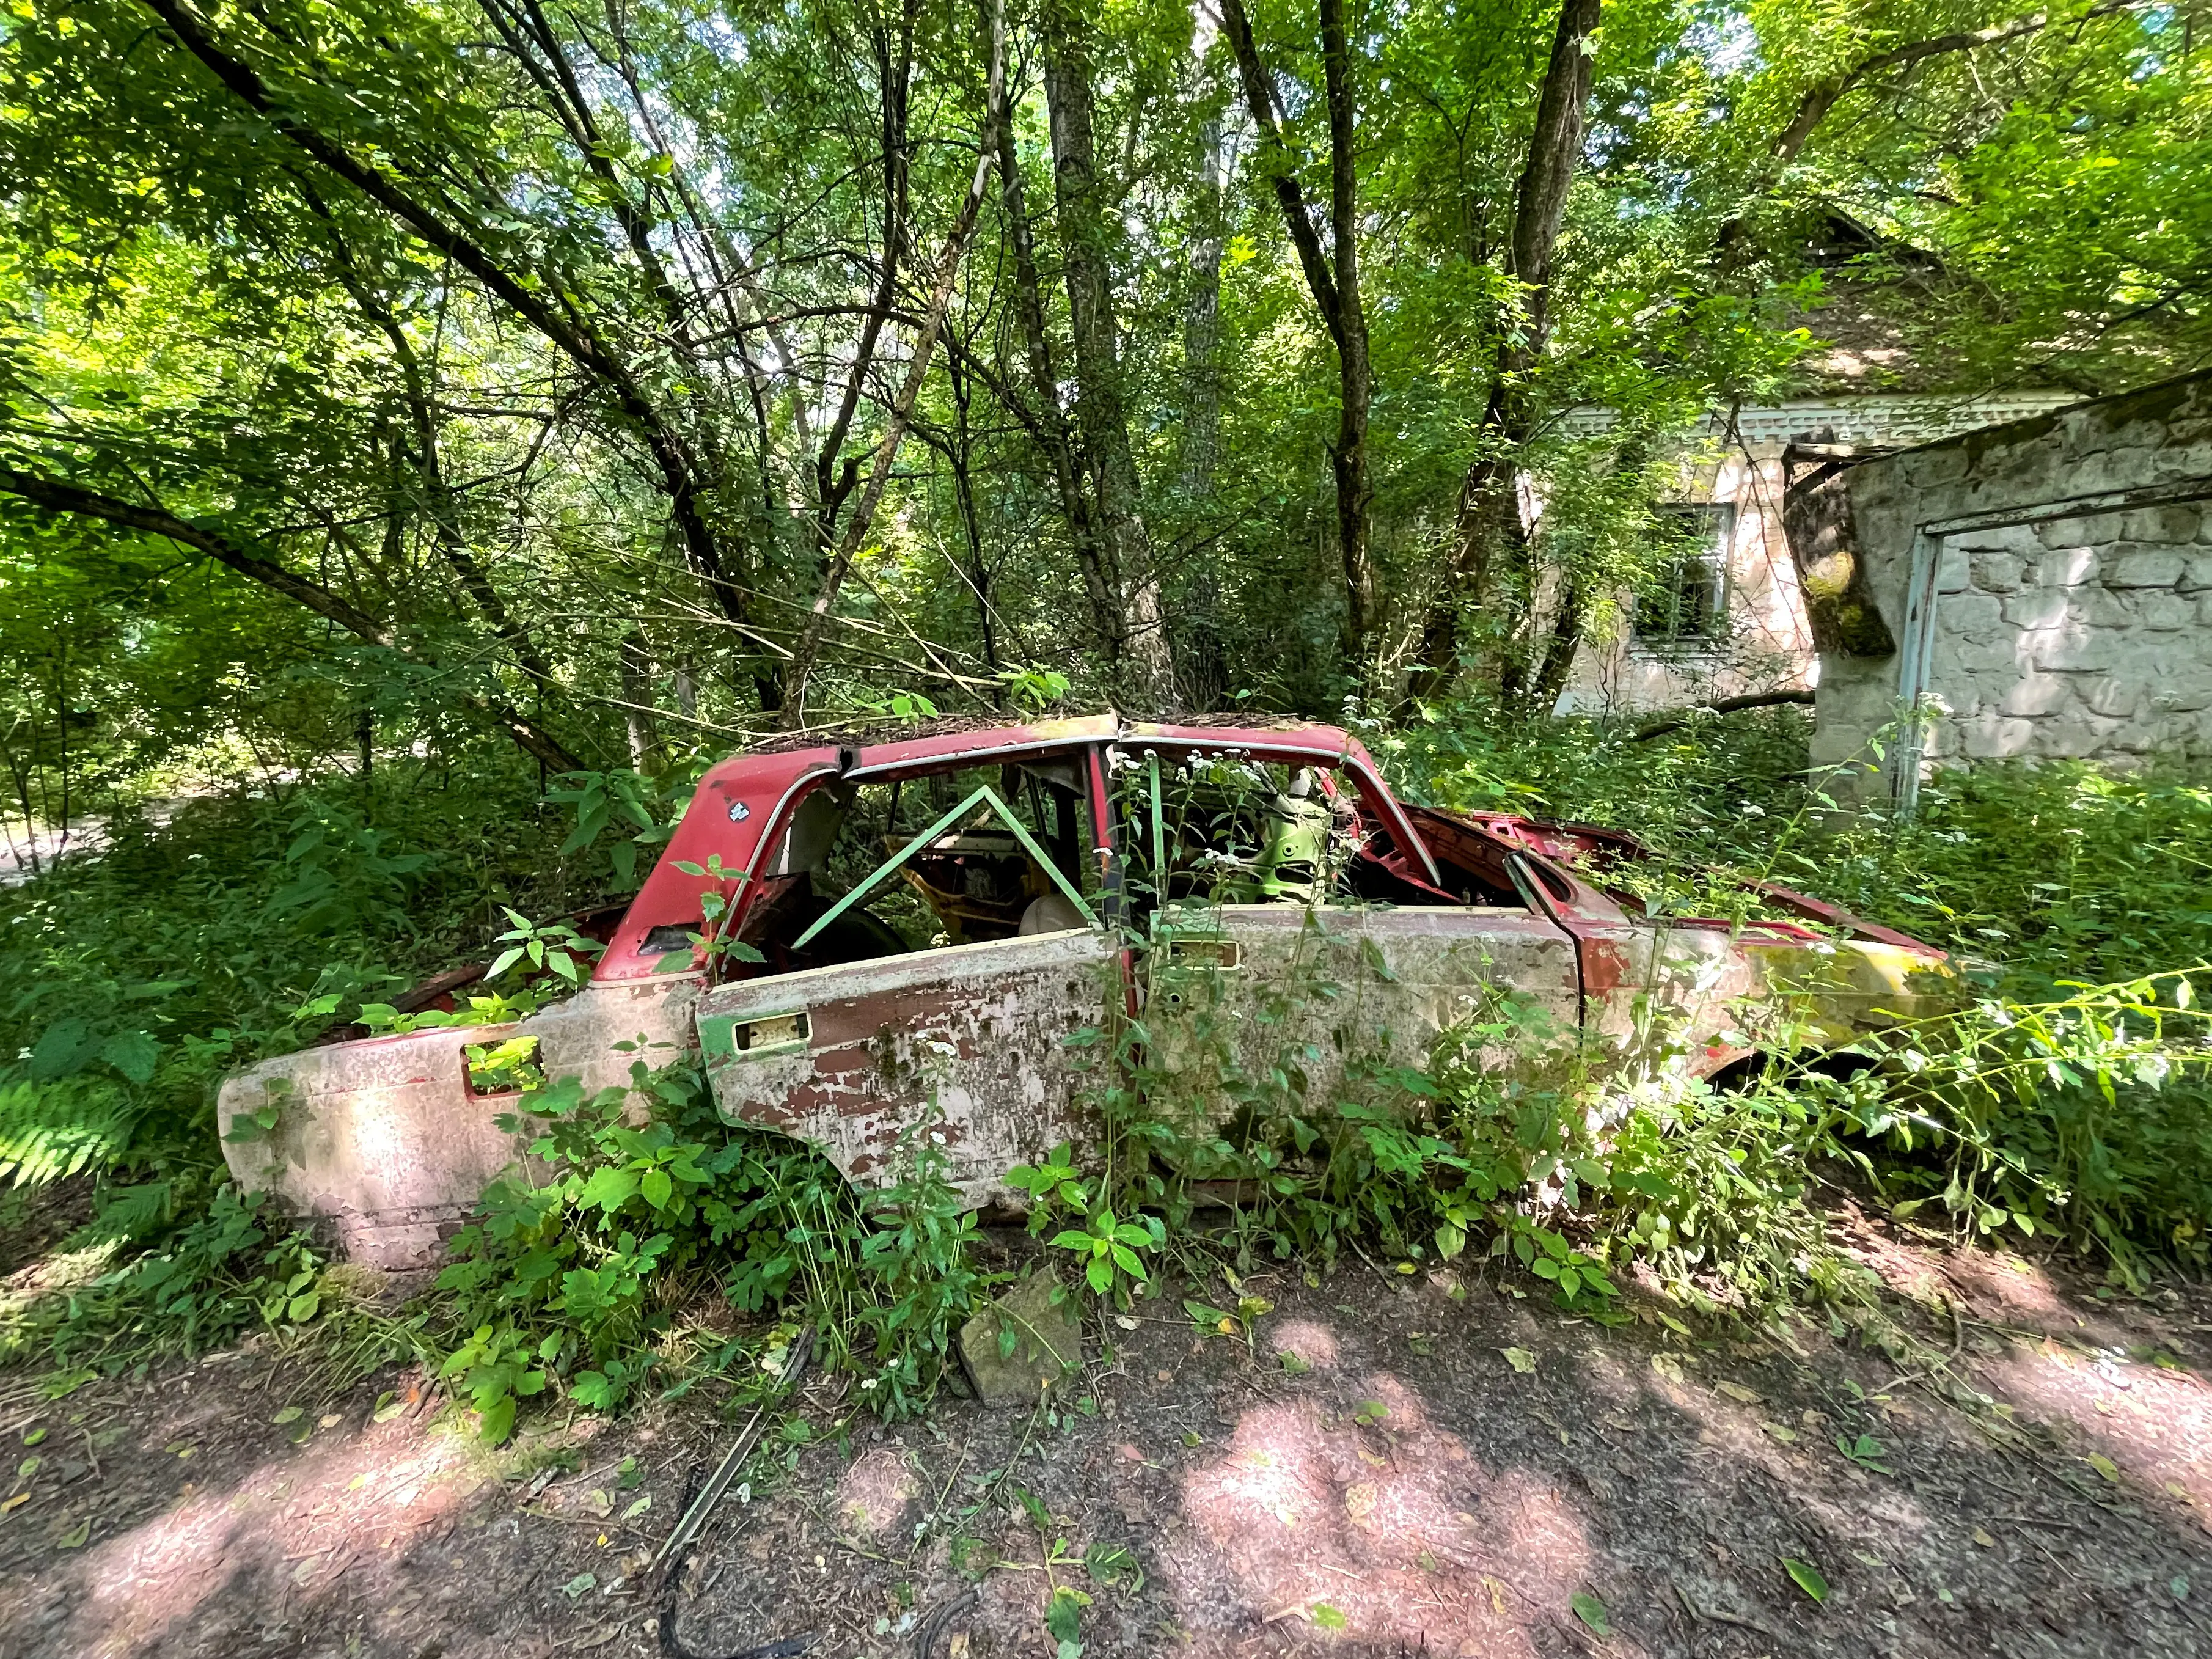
938,992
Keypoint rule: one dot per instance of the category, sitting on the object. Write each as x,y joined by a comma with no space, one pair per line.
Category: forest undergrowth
2065,1109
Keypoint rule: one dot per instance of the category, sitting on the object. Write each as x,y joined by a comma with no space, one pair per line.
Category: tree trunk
1201,323
808,650
1100,409
633,667
1054,436
960,452
1489,519
1332,277
1355,373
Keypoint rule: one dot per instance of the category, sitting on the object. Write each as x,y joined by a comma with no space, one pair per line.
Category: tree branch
55,496
1812,108
803,657
52,495
1259,97
563,327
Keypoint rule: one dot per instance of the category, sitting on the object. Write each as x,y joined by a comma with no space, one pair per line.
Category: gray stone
2033,695
1997,573
1991,736
1951,571
2078,650
1953,656
2183,692
1973,616
1047,1342
2040,607
2075,534
2071,738
2144,567
2161,524
2111,697
2166,612
2196,574
2066,567
2102,608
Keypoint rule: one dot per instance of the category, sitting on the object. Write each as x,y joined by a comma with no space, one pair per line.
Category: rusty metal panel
385,1139
1689,996
850,1058
1323,992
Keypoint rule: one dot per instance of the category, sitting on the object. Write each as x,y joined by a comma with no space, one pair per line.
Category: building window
1687,603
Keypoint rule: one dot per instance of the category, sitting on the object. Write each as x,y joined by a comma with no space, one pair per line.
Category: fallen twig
1716,1615
694,1517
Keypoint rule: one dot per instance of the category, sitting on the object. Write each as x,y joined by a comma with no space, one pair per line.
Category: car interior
964,855
919,862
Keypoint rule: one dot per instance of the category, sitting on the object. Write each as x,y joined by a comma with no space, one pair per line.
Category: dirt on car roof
1993,1459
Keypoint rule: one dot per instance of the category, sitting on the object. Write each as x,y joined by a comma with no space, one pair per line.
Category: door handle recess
755,1036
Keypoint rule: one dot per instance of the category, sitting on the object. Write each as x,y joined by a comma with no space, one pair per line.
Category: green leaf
657,1187
609,1187
1063,1618
1591,1611
1327,1617
496,1420
1807,1577
133,1053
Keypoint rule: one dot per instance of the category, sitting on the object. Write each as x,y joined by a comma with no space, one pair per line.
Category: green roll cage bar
982,793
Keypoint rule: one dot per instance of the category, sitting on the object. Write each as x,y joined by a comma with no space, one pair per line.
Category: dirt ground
1439,1467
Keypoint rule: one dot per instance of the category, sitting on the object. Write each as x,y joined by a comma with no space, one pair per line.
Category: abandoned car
861,940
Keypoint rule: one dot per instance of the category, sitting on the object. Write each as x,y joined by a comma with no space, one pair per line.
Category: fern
51,1131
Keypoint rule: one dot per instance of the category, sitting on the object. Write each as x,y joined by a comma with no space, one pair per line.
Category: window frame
1718,519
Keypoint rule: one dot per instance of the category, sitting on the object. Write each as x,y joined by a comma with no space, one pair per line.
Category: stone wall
2071,563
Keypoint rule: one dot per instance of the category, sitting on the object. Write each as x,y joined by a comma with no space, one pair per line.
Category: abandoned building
2041,588
1728,620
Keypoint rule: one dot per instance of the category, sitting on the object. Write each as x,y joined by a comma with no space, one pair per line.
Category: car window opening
974,877
1210,828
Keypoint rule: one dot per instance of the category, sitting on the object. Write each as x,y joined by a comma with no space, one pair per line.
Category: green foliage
55,1129
222,1273
920,1281
1105,1248
574,1281
2070,1099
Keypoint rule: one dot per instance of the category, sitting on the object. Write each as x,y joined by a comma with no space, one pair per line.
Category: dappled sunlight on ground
1391,1464
2153,1425
1372,1516
299,1522
1313,1345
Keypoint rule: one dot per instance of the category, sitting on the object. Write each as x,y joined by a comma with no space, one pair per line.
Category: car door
967,1044
1314,1006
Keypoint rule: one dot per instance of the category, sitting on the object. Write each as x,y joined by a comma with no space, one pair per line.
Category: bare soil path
1438,1466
